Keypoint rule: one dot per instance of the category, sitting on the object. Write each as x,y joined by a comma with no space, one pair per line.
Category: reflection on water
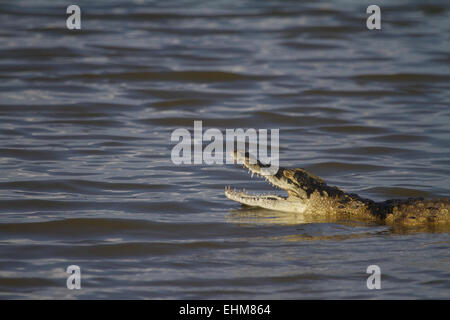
344,229
85,125
247,216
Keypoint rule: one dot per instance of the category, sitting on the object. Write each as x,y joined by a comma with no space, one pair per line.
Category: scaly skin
310,195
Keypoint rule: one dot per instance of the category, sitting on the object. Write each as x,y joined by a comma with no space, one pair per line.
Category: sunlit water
86,118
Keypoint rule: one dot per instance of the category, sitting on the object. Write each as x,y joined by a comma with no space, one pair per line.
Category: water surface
86,175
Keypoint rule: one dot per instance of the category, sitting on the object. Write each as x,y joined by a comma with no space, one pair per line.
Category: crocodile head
297,183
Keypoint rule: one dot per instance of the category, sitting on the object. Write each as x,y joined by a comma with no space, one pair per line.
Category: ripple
354,129
403,77
336,167
80,186
372,150
178,76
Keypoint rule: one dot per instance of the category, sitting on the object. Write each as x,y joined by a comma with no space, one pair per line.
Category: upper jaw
252,164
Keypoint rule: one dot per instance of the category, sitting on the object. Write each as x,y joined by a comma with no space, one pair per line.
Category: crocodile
310,195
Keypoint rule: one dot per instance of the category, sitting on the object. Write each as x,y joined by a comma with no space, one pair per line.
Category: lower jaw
270,202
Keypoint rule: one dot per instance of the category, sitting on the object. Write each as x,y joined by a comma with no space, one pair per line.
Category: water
86,118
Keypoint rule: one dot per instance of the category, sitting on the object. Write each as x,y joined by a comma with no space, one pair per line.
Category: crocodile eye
300,176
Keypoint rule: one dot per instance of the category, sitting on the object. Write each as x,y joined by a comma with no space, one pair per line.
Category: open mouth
254,168
268,201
